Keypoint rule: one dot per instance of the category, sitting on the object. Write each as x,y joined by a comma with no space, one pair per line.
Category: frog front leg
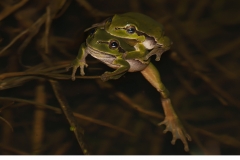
122,67
139,53
171,120
163,45
79,61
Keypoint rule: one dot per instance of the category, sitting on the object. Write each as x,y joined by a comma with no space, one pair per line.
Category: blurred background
38,39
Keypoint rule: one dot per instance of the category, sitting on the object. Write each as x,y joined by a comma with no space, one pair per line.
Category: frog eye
130,29
113,44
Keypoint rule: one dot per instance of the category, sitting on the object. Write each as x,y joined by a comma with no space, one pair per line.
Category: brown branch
136,107
12,150
9,10
94,12
47,28
78,131
49,75
38,122
14,40
207,80
33,31
79,116
9,125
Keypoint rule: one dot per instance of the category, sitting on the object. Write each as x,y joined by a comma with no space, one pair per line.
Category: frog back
99,39
144,24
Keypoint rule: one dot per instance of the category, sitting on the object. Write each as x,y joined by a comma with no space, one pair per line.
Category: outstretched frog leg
171,120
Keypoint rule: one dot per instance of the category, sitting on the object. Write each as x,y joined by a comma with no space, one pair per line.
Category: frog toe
178,132
82,73
173,140
105,76
158,57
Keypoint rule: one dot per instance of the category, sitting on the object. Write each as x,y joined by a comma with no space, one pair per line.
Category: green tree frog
140,27
124,56
114,52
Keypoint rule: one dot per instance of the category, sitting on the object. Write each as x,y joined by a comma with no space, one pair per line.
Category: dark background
201,71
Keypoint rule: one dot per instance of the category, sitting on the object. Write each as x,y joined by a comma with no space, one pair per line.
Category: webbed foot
173,125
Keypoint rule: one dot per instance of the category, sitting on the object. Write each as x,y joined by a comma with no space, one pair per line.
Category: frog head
123,27
105,43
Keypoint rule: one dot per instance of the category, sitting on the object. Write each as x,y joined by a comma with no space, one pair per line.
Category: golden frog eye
130,29
113,44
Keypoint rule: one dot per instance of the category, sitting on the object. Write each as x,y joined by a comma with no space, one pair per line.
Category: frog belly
149,43
135,65
103,57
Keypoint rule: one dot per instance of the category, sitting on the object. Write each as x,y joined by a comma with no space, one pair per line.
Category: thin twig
94,12
207,80
127,100
9,10
12,150
47,28
14,40
33,30
79,116
49,75
4,120
38,122
78,131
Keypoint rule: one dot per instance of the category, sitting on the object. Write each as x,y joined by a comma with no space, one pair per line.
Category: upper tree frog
139,27
124,56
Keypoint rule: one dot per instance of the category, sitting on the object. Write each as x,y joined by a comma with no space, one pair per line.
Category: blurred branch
12,150
94,12
78,131
207,80
9,10
59,111
38,121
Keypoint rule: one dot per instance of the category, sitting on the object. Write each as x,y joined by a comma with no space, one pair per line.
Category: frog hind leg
171,120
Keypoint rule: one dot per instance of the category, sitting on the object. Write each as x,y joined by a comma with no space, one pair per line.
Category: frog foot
75,64
105,76
173,125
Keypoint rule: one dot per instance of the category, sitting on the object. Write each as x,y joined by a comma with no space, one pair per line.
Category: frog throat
97,53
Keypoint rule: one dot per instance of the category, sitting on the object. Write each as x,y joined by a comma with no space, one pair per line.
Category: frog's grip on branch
75,64
110,75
